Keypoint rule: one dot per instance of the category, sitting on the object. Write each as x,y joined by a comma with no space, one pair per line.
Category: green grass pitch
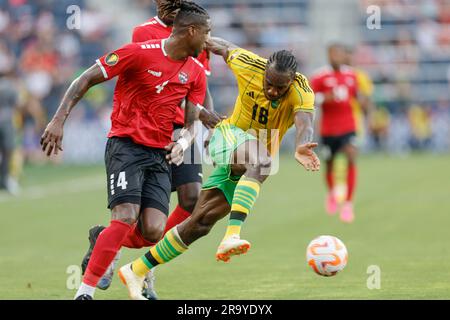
402,226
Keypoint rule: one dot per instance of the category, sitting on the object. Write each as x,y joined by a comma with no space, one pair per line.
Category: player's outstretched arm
51,140
220,47
304,151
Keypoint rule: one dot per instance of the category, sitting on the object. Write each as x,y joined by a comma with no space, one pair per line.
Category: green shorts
225,140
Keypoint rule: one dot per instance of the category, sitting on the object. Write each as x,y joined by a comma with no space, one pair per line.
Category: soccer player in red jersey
153,78
335,87
186,178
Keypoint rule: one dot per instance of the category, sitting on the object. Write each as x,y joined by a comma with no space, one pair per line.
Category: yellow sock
245,195
167,249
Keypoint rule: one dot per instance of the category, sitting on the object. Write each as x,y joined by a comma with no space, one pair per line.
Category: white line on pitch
58,188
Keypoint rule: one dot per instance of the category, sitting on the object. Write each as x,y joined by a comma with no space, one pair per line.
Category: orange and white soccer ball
327,255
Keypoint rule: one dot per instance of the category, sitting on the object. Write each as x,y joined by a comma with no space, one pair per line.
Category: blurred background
408,60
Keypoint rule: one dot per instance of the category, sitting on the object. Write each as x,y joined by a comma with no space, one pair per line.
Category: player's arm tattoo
220,47
77,90
305,127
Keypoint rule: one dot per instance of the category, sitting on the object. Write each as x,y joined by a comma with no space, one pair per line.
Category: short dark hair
284,61
190,13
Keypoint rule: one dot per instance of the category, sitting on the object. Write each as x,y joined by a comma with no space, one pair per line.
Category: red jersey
337,115
156,29
149,91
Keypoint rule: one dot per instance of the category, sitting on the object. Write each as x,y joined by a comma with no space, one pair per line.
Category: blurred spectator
440,119
379,123
420,124
8,103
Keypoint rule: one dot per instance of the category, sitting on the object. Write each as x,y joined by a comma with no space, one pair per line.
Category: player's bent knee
351,157
126,213
188,195
127,220
188,202
153,233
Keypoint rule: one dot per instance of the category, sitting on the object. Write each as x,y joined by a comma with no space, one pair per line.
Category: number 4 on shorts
121,182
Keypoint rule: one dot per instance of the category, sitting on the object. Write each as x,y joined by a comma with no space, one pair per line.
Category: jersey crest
183,77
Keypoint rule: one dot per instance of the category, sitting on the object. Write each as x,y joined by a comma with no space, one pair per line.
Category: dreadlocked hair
284,61
169,7
188,9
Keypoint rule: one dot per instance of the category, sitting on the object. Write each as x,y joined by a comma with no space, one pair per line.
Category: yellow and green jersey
365,87
253,110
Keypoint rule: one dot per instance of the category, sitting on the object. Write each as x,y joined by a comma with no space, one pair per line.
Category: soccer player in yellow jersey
273,97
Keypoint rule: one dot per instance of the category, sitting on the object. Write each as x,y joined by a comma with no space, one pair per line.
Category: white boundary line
58,188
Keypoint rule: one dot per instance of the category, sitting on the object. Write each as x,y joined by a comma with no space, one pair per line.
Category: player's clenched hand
210,118
175,153
306,156
51,140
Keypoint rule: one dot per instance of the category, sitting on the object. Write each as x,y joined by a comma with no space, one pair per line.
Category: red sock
108,244
329,176
176,217
351,181
135,240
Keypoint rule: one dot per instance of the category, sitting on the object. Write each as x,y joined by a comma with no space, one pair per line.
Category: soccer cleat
93,235
84,297
149,286
347,214
107,278
231,246
133,282
331,205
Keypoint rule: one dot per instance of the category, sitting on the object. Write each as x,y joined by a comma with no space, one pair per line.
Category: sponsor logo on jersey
183,77
112,59
155,73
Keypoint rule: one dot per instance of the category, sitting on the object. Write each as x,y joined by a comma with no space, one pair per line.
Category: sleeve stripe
232,54
303,81
251,64
303,85
303,109
256,58
243,57
246,67
105,74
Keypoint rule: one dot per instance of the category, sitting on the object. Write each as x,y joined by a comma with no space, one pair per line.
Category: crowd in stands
408,59
46,55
